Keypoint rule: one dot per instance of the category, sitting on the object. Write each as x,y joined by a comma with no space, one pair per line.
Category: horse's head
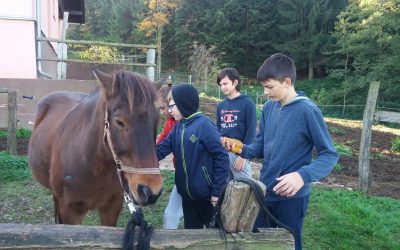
132,120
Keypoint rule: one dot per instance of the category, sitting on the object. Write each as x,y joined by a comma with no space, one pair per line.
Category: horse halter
121,167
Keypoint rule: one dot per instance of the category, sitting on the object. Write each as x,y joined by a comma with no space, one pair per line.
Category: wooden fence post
364,171
12,122
151,58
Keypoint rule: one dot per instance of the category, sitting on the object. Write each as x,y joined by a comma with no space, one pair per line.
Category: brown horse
86,148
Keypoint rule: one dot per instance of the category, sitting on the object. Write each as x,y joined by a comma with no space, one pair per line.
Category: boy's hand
289,184
232,145
214,201
239,164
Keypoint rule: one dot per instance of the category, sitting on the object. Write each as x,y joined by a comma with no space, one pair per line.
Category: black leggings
197,213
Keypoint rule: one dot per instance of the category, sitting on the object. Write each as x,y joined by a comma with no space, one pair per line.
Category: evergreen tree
305,27
368,35
124,19
240,33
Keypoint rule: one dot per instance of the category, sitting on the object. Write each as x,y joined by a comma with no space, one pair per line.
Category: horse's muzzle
146,197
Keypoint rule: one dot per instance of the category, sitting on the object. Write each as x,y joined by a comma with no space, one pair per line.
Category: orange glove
232,145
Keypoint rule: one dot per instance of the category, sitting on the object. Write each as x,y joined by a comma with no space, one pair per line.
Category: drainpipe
39,43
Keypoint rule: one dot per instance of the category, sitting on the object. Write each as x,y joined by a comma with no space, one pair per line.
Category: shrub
338,168
396,144
21,133
343,150
24,133
3,134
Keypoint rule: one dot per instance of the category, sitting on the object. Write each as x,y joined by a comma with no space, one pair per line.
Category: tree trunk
310,68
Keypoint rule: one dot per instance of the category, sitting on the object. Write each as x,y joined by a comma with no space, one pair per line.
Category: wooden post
240,207
364,171
159,37
151,58
62,50
12,122
26,236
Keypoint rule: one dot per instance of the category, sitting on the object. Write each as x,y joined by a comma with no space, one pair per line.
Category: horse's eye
120,124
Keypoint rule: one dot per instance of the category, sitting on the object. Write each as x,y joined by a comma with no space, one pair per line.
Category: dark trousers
290,212
197,213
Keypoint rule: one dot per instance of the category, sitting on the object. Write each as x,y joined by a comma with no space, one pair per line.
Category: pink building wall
17,33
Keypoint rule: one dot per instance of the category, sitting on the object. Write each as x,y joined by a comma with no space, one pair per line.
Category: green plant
3,134
377,155
338,168
343,150
336,131
23,133
13,168
396,144
321,96
98,53
349,142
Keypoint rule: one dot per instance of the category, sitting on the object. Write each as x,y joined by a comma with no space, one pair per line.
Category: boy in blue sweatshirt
236,118
291,126
201,162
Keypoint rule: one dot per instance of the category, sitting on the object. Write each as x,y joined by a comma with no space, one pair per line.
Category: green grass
336,219
339,219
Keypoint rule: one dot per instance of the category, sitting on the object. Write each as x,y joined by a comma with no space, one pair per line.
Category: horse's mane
136,89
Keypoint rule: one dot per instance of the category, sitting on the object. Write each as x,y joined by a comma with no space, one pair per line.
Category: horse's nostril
144,193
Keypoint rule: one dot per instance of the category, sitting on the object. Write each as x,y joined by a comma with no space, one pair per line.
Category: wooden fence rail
27,236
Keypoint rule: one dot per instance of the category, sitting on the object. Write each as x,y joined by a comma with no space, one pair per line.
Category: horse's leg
109,214
57,218
72,213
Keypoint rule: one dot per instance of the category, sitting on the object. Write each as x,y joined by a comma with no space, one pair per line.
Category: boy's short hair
277,67
232,74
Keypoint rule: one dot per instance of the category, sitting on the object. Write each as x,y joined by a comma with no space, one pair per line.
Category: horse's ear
105,79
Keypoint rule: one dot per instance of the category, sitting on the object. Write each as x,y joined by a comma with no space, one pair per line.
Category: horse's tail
57,217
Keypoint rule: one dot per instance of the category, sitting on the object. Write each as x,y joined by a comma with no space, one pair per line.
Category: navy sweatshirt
236,118
201,162
286,139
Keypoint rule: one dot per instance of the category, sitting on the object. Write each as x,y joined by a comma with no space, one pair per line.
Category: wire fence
211,89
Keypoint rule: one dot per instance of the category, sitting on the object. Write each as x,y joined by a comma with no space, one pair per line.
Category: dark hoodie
186,99
236,118
201,162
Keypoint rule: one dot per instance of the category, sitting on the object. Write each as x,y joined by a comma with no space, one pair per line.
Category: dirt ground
385,164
